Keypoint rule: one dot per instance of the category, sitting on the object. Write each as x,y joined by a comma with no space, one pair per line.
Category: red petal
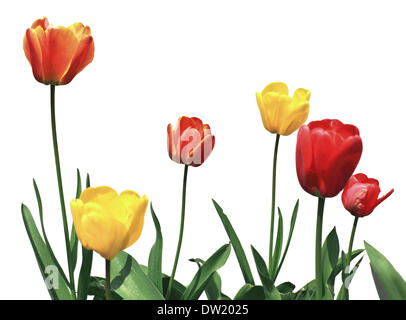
83,56
341,165
33,52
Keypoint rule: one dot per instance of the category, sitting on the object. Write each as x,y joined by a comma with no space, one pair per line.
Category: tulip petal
62,45
84,55
379,201
341,165
33,52
43,23
103,234
136,208
304,161
79,30
275,111
202,151
276,87
99,195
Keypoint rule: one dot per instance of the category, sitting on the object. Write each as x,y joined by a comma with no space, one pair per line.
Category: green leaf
87,181
84,274
271,293
44,234
73,237
307,292
130,282
292,227
213,286
177,290
286,290
343,294
389,283
87,256
235,242
329,258
339,266
155,255
286,287
278,246
202,276
250,292
58,290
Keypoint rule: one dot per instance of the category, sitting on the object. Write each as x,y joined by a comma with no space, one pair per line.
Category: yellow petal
297,112
76,207
102,233
100,195
275,111
136,208
79,30
277,87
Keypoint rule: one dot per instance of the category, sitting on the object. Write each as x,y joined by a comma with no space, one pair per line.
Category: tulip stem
182,223
107,286
319,229
60,188
349,253
271,236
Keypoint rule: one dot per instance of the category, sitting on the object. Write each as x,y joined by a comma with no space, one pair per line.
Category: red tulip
360,195
58,54
327,153
190,142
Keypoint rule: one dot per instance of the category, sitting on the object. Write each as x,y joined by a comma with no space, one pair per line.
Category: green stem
271,236
107,285
182,224
319,230
60,188
349,253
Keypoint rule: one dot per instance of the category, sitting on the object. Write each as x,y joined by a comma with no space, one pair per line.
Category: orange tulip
58,54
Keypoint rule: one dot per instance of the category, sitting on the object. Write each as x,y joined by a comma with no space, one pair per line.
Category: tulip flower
327,153
280,113
107,222
360,195
360,198
190,142
57,54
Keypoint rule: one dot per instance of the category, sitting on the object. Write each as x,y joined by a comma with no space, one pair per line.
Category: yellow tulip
280,113
107,222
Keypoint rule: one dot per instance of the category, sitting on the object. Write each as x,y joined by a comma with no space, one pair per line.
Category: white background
158,60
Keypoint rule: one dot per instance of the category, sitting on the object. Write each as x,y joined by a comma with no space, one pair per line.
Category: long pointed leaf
213,287
86,267
235,242
73,237
278,246
57,287
177,290
329,258
292,227
48,245
343,294
84,274
388,281
271,293
130,282
202,276
155,255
